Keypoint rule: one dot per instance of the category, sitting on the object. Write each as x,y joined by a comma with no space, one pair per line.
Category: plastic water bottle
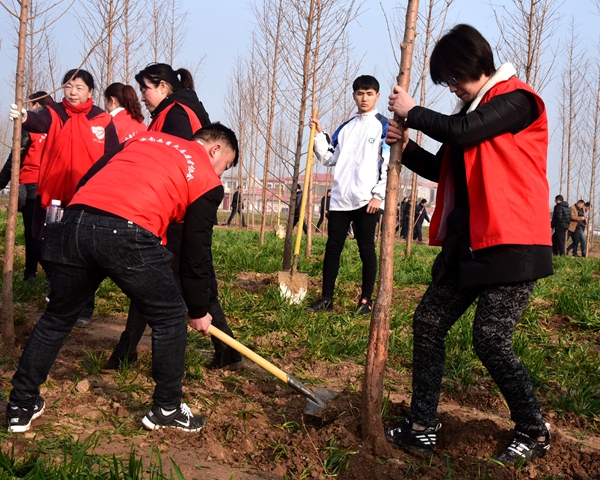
54,212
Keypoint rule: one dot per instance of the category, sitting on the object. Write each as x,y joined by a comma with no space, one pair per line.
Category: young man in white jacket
360,156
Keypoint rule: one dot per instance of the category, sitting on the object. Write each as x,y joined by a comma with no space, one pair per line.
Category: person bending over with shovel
115,227
360,158
492,160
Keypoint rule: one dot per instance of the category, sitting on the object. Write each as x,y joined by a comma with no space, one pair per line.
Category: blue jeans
84,249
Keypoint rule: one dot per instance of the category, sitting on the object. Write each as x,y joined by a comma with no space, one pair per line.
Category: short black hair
42,98
580,201
559,197
588,204
423,201
462,53
216,132
79,73
365,82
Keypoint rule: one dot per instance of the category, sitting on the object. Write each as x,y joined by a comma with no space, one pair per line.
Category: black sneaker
226,358
182,418
19,419
325,304
423,441
524,448
365,307
118,358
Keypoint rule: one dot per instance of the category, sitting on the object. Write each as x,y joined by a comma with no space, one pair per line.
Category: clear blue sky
220,31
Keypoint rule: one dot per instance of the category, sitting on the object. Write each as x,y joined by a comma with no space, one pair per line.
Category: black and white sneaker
181,418
19,419
423,441
524,448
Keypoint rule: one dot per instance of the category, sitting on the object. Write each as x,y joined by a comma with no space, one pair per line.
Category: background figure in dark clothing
32,145
400,214
237,206
577,227
324,210
561,217
420,215
405,219
299,194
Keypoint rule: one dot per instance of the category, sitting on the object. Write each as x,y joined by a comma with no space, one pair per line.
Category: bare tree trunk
7,329
287,247
372,393
411,214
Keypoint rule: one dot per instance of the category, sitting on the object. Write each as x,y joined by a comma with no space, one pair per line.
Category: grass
562,360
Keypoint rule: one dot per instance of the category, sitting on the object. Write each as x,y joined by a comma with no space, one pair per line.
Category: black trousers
33,245
498,311
364,225
558,241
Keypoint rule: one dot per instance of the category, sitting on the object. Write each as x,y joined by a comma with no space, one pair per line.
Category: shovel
316,400
293,285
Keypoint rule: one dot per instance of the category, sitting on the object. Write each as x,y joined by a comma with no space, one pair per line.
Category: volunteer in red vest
175,109
492,162
122,103
116,227
32,145
171,100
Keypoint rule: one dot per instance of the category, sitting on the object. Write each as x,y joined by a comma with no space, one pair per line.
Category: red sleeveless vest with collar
506,181
158,122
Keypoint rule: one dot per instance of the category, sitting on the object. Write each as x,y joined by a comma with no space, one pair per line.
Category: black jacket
561,216
5,173
177,122
419,217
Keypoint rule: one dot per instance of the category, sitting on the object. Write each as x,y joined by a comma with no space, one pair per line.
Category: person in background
491,251
175,109
576,228
405,219
78,134
561,218
122,103
324,209
237,207
299,195
420,216
32,145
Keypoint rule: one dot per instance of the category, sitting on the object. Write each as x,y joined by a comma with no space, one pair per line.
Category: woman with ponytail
171,100
122,103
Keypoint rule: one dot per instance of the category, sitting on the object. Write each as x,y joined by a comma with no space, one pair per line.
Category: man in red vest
115,226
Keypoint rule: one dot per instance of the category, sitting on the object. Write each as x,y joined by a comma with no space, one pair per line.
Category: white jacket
360,156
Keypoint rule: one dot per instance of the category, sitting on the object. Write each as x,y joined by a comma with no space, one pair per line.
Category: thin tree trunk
7,329
377,352
411,213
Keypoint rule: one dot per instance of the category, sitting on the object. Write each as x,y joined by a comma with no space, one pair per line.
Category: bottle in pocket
54,212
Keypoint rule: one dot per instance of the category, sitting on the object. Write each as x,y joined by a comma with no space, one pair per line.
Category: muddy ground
256,427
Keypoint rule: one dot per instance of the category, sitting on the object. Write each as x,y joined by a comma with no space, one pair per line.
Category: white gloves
13,114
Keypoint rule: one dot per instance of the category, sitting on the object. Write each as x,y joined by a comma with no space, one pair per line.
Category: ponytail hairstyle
42,98
127,98
155,73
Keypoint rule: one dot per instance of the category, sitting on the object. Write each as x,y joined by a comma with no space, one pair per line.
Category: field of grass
557,338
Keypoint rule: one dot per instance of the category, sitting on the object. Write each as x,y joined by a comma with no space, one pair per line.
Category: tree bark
372,392
7,331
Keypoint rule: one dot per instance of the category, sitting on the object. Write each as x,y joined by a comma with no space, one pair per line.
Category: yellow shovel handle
261,362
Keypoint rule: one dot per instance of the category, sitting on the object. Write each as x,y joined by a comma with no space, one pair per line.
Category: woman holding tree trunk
491,163
175,109
78,134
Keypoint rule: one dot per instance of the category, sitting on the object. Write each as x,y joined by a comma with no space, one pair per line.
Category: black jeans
418,232
136,323
498,311
232,216
83,250
33,246
558,241
364,234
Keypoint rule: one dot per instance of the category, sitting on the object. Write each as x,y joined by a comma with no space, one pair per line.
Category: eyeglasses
448,82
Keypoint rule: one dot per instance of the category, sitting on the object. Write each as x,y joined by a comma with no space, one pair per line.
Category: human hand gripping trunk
201,324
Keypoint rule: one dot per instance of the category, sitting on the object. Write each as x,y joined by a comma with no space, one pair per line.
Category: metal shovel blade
293,287
323,395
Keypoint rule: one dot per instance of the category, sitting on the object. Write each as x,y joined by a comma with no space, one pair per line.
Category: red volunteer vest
158,122
151,182
506,182
30,168
126,126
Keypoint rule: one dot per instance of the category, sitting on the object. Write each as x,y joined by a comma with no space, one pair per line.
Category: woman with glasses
491,220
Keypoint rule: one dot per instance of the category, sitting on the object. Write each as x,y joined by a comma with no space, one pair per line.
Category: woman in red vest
122,103
171,100
32,146
176,110
491,219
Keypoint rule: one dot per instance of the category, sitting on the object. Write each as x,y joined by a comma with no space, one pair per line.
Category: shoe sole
25,428
150,425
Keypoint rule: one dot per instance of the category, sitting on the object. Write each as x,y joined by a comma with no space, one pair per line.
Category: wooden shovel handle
260,361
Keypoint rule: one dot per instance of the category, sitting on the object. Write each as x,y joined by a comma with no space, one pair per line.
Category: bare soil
256,426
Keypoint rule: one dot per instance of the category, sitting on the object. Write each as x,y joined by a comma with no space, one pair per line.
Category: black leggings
364,234
498,311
